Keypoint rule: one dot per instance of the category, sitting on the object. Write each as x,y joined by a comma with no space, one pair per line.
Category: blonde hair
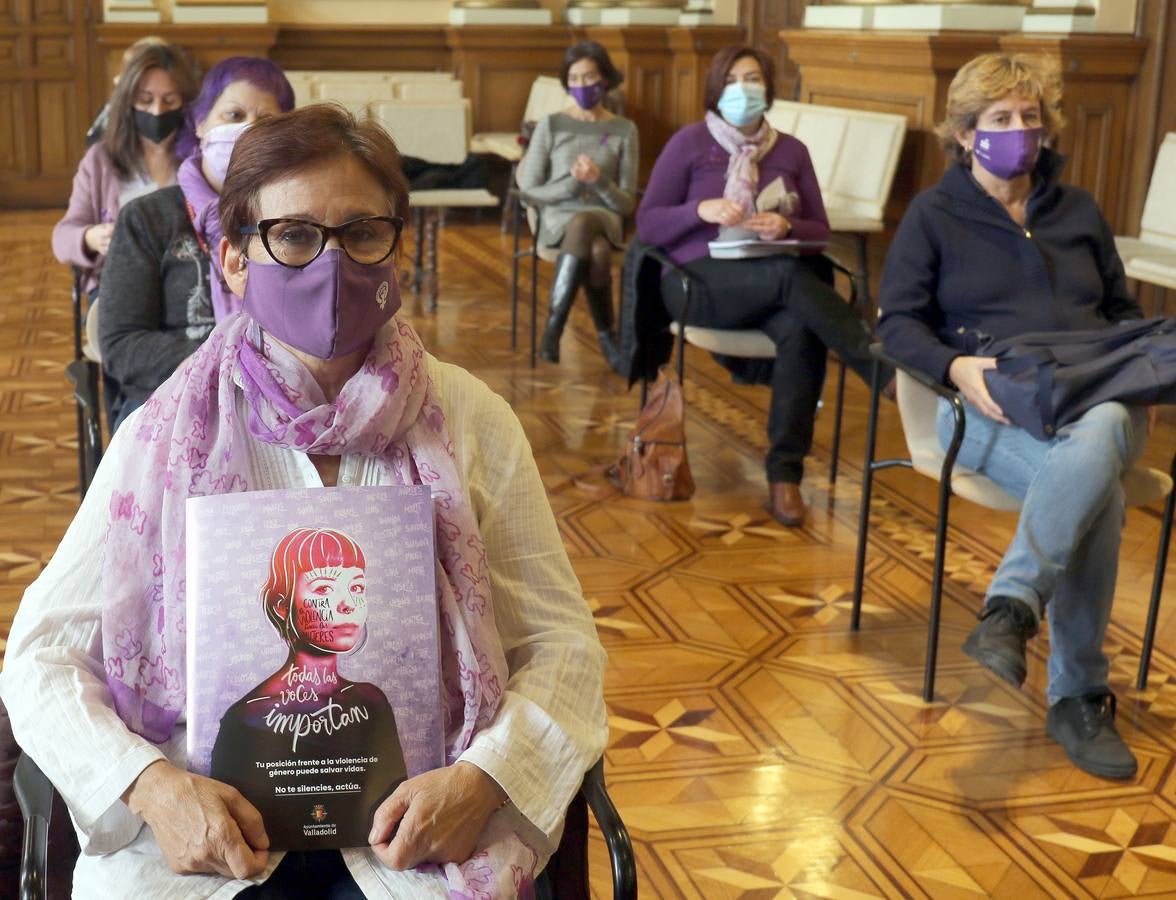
991,77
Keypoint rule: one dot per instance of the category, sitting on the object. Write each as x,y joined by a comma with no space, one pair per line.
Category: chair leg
936,591
433,222
514,283
1153,608
836,451
859,571
864,273
83,481
418,252
534,302
949,459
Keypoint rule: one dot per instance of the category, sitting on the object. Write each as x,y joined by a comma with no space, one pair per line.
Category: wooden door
45,99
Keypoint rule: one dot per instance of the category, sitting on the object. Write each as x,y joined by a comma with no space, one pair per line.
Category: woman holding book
733,175
315,383
580,170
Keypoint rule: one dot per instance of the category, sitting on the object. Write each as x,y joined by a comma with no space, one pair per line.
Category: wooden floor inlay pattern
758,748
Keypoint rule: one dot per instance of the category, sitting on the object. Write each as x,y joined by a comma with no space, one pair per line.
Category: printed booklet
314,678
750,248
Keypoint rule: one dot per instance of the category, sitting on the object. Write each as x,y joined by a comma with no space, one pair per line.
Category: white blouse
549,729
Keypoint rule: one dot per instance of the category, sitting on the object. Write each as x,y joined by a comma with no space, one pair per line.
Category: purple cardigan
94,200
692,167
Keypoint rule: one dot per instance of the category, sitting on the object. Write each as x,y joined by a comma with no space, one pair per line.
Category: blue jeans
1065,554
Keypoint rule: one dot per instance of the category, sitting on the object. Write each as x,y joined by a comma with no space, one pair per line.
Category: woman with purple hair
164,289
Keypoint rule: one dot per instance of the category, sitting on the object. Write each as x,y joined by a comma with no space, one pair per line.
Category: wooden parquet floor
758,747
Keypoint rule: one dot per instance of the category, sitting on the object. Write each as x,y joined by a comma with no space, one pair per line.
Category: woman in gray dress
580,171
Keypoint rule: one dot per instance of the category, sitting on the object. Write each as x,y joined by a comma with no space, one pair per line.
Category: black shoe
998,642
569,272
1085,727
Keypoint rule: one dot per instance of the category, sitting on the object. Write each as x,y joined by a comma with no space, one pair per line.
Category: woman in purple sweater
734,171
135,156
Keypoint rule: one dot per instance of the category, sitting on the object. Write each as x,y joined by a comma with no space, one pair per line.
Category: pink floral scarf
746,151
188,441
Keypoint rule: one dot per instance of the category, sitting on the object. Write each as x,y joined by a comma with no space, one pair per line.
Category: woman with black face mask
135,156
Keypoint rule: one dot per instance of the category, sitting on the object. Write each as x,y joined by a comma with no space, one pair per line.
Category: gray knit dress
546,181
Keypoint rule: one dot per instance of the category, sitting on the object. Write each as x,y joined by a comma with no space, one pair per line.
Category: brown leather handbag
654,464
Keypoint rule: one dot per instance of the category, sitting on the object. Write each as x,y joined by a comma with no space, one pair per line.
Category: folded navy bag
1048,379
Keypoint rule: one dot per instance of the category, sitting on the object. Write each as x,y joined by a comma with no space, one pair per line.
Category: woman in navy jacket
1001,247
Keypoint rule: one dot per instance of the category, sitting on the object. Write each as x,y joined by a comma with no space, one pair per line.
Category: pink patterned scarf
204,212
188,441
746,150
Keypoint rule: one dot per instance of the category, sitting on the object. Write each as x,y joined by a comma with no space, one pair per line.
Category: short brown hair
716,77
593,51
120,137
991,77
277,147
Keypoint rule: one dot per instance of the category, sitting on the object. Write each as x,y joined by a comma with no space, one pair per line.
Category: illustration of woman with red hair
315,596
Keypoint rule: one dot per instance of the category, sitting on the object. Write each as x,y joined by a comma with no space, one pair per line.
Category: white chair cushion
453,197
917,406
751,344
500,143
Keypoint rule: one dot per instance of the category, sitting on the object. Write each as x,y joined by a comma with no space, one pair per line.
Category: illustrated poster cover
314,680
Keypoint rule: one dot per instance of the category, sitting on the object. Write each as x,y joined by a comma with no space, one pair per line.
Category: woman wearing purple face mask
168,289
580,170
1001,246
316,383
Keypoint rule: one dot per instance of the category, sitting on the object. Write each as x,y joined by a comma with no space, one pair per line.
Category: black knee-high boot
569,272
600,304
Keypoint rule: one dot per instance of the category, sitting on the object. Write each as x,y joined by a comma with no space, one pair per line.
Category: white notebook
754,247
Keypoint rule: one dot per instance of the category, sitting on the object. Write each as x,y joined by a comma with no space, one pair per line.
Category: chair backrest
547,96
1158,225
437,132
427,91
357,96
359,90
854,152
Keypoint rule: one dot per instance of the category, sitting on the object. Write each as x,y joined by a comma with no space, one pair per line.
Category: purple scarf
203,210
190,442
746,151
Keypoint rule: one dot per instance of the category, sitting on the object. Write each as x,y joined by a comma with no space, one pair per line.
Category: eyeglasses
297,243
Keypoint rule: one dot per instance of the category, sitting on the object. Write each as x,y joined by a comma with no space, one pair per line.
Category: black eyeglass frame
261,229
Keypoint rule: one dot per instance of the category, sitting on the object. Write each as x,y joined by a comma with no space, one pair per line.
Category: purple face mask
328,309
217,147
589,95
1007,154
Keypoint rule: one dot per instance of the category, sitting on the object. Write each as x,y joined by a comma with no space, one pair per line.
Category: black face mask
157,128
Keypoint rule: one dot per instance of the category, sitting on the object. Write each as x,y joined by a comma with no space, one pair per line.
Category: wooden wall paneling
644,56
765,20
366,48
497,65
10,113
207,43
691,52
44,87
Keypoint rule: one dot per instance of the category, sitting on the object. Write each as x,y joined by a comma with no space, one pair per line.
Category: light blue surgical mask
742,102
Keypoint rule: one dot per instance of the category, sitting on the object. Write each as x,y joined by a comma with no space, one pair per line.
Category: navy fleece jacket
959,264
